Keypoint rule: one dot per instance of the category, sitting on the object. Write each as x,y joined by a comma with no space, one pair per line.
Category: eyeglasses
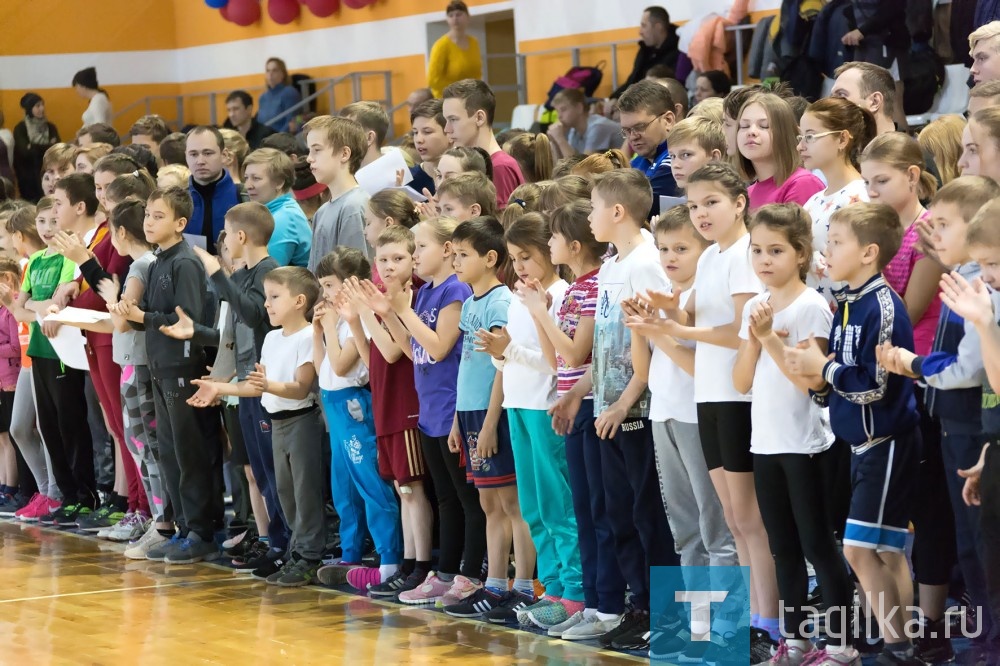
639,129
810,139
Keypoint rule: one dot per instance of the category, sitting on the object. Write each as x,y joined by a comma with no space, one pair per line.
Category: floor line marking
119,589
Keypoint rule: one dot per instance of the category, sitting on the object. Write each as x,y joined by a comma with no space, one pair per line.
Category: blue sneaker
192,549
159,553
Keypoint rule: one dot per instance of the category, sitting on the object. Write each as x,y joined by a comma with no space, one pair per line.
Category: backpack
587,78
923,80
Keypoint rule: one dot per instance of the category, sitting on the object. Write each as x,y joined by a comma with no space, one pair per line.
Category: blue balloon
216,4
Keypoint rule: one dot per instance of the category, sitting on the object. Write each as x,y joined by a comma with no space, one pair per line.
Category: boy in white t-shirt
283,379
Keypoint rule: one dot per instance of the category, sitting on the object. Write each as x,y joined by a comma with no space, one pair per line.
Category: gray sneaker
302,572
159,552
193,549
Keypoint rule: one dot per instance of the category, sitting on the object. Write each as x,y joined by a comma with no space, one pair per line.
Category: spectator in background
455,56
647,116
278,98
942,138
172,149
213,192
149,131
375,121
659,74
578,130
32,137
881,38
6,151
239,112
236,151
983,95
713,83
657,46
85,158
418,97
86,86
287,143
984,47
97,133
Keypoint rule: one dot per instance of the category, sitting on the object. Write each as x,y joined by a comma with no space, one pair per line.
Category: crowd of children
734,350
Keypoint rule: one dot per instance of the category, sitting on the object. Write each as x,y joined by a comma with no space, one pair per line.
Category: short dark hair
287,143
719,80
483,233
172,149
874,79
178,200
152,126
873,224
648,96
344,262
477,97
79,187
658,15
431,109
253,219
456,6
214,131
371,116
101,133
241,95
299,282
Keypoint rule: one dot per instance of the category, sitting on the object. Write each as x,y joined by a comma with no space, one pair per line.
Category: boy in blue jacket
873,410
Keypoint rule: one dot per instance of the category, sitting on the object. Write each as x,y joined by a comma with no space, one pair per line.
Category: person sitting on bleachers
578,130
984,47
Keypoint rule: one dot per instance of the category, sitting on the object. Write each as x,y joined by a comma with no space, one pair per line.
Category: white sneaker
132,526
573,620
590,628
148,541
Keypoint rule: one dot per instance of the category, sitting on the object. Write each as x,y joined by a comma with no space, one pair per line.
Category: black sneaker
255,550
668,639
104,516
762,648
636,636
395,584
480,603
302,572
268,567
718,651
68,516
888,658
933,646
263,555
628,620
506,610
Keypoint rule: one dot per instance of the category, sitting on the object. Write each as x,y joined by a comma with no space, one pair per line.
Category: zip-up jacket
868,405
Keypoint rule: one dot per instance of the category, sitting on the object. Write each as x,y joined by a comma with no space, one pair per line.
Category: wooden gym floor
68,599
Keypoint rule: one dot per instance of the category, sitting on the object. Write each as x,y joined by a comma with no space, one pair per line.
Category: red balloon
283,11
243,12
358,4
323,8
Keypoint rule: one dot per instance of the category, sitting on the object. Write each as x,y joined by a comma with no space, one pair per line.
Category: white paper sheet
70,345
78,316
412,193
381,174
197,240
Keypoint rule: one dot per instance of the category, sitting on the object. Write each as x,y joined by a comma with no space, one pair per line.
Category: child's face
560,250
688,158
258,183
889,185
83,165
452,207
160,225
430,255
460,127
448,167
774,259
470,266
714,214
323,162
950,230
988,259
819,152
49,180
602,218
45,223
968,162
730,128
754,134
395,262
374,225
66,214
280,304
429,139
101,181
679,253
989,151
330,286
147,140
530,263
231,243
844,254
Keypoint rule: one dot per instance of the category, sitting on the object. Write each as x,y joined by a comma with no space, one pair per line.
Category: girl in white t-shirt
791,440
724,282
833,132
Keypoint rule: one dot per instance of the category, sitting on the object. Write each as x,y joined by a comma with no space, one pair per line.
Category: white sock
604,617
589,612
386,570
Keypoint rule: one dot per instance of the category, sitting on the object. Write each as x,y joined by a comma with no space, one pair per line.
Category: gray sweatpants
298,471
27,437
693,507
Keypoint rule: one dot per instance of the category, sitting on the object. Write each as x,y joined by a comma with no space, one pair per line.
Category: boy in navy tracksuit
874,411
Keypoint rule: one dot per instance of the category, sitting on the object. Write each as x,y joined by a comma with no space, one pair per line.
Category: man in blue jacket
212,190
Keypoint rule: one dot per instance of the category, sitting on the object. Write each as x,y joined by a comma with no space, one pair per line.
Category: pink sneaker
361,578
44,507
29,506
461,589
432,589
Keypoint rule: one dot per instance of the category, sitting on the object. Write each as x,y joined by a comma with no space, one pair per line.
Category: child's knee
858,557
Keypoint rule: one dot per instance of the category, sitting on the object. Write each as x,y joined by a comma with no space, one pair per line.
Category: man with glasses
646,118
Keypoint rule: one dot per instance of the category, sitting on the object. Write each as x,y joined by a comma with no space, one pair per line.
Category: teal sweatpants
546,502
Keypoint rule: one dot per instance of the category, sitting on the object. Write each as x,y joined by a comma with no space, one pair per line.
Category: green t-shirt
44,274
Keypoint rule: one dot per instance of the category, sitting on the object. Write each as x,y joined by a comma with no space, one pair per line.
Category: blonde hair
533,153
783,129
441,228
93,152
470,188
701,131
711,108
565,190
523,199
237,147
942,138
984,32
599,163
279,166
394,204
984,230
341,133
59,156
901,151
177,174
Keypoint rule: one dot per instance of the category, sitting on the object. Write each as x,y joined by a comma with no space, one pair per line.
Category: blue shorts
883,483
496,471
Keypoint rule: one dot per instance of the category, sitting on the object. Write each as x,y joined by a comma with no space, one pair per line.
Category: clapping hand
109,289
257,380
71,246
183,329
494,344
971,301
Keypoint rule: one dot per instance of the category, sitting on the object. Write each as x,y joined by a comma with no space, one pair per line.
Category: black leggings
460,516
935,550
793,507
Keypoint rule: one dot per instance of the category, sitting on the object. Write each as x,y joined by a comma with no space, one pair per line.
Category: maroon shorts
400,457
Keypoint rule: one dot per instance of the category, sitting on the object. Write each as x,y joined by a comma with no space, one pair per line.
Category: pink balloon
358,4
283,11
323,8
243,12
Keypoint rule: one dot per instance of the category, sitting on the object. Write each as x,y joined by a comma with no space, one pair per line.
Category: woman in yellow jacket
456,55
